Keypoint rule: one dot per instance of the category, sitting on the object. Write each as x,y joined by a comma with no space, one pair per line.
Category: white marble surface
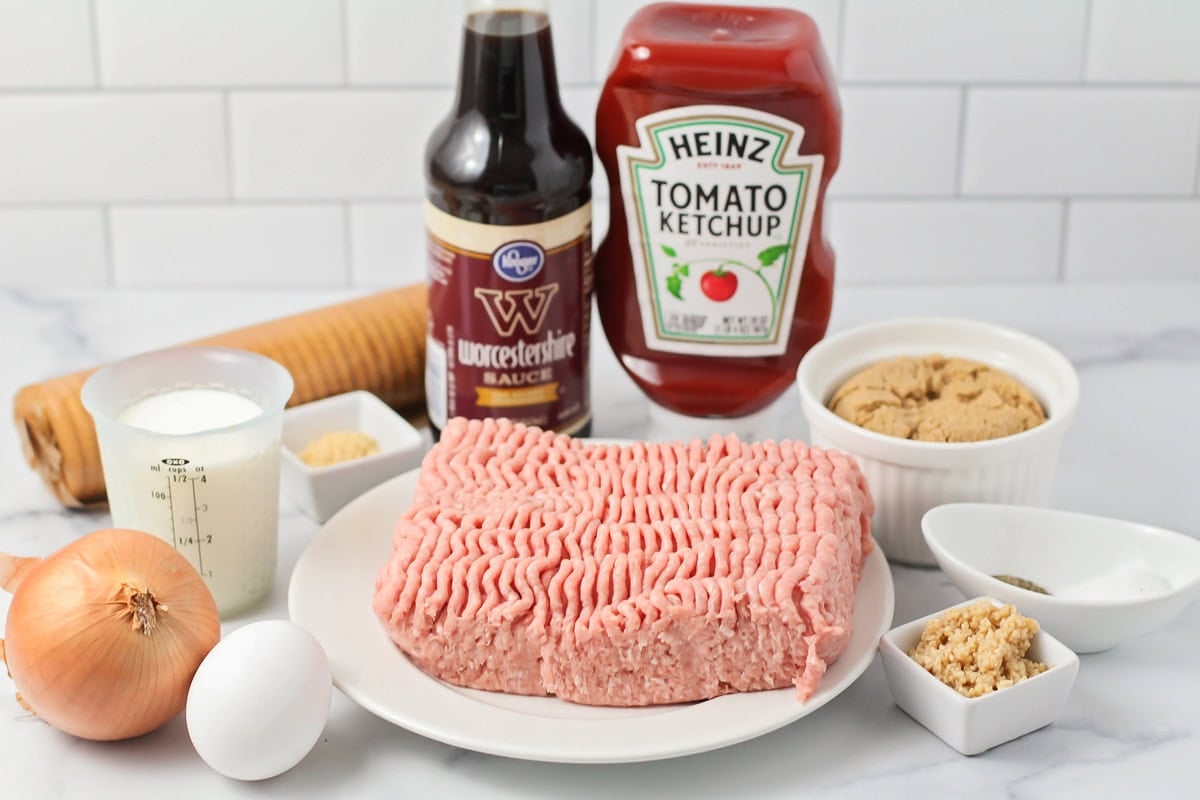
1131,727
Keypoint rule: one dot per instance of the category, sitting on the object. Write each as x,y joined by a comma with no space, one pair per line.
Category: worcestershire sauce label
509,316
719,205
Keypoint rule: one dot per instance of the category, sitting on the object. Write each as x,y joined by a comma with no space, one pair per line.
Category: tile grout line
840,61
960,164
110,256
595,71
344,20
1063,237
348,243
1085,51
593,50
332,201
94,33
415,201
1196,170
1196,175
1181,87
227,136
1014,199
263,88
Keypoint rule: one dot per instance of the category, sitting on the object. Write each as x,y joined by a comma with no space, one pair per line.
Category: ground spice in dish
979,648
338,446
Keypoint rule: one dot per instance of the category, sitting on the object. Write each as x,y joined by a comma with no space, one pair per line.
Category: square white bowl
972,725
322,491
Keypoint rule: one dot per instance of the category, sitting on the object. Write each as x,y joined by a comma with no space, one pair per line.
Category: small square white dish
1109,580
322,491
972,725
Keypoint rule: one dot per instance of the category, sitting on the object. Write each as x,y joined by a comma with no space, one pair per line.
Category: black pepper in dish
1021,583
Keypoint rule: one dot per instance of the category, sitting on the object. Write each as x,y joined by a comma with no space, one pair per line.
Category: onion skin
104,636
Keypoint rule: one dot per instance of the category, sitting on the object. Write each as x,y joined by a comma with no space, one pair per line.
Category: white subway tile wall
229,245
220,42
946,241
964,41
280,142
45,44
899,141
1147,40
54,247
389,243
1081,142
104,146
1125,240
383,50
340,143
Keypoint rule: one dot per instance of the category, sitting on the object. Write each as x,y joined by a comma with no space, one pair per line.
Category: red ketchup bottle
719,128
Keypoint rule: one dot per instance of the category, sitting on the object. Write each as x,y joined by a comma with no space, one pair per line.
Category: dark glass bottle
509,219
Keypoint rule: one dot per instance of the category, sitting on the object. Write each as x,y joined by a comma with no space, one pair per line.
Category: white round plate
330,596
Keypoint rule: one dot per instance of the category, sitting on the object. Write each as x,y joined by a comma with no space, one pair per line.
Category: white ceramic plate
330,595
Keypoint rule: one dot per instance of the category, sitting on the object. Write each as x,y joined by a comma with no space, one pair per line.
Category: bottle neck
488,6
508,71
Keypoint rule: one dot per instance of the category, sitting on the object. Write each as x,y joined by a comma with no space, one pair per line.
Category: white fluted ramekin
907,478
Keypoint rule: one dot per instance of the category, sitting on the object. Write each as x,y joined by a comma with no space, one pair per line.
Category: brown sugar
937,399
979,648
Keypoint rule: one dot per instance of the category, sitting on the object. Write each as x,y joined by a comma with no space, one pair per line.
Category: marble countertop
1131,727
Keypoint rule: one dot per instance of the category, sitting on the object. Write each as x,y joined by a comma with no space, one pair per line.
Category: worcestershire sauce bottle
508,214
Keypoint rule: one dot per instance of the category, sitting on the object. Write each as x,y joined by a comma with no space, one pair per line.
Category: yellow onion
104,636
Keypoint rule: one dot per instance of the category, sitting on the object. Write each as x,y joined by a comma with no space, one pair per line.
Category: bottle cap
666,425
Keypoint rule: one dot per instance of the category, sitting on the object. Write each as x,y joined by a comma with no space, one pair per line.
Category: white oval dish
972,725
907,478
1109,580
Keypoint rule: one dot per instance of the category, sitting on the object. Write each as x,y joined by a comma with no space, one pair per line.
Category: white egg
260,700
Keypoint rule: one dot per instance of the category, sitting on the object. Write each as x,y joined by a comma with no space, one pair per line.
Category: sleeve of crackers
375,343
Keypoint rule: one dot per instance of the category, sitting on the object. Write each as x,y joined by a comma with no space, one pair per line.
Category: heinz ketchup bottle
508,215
719,128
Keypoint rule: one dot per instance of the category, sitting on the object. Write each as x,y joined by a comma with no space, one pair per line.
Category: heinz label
719,206
509,316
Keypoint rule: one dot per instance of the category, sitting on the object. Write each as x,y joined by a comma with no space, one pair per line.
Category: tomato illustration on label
718,284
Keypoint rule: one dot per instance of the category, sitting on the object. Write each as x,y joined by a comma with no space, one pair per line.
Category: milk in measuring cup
189,439
211,491
184,411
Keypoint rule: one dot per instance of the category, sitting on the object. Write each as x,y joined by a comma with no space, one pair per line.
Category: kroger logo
518,261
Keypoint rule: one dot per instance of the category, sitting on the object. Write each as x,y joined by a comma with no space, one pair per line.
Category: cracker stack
375,343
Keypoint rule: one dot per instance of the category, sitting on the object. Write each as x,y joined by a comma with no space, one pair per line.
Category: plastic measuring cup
212,491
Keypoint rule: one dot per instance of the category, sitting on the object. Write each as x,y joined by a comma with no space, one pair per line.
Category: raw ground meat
629,575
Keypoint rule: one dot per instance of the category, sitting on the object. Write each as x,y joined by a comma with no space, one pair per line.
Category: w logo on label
524,307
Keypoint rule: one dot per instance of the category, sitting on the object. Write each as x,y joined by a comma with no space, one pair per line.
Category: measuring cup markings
176,477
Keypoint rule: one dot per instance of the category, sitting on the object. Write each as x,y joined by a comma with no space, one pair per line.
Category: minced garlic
338,446
979,648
